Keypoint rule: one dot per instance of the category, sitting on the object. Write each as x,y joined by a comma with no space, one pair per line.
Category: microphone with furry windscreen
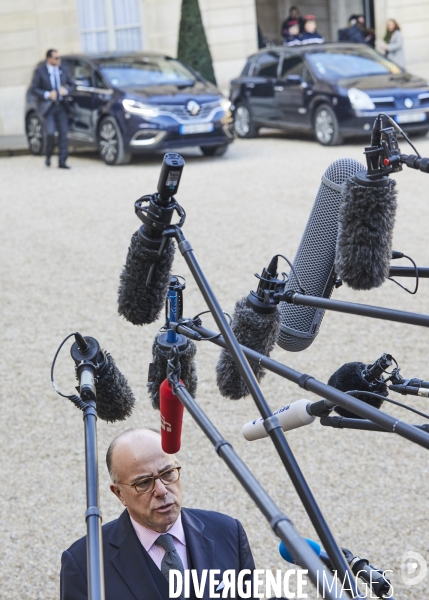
146,274
166,340
367,216
256,325
99,377
358,377
104,393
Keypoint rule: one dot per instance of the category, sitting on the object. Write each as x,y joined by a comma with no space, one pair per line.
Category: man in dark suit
154,534
50,85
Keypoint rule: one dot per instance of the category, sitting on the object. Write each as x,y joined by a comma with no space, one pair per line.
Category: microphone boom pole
421,272
353,308
309,383
279,522
272,424
362,424
163,229
93,515
84,351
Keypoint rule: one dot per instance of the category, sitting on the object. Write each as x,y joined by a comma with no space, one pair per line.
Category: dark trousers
56,120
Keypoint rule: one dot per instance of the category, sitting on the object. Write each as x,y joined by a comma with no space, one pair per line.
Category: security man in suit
50,85
155,534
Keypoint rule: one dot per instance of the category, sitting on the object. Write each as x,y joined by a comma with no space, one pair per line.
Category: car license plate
197,128
412,117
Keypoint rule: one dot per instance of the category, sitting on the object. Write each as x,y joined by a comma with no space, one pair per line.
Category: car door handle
250,85
278,88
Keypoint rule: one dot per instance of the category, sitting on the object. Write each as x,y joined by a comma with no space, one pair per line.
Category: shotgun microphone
313,266
146,274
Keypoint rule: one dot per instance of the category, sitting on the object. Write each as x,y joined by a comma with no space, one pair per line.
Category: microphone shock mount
156,210
384,157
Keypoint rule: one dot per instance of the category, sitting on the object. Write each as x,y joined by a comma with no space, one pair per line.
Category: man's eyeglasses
147,484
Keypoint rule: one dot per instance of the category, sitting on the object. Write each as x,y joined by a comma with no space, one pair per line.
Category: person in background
393,43
50,85
353,33
292,38
310,34
368,33
357,32
294,15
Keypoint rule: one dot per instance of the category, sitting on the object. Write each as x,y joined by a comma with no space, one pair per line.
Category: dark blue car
334,90
136,103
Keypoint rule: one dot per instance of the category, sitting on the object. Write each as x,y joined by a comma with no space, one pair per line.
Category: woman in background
393,43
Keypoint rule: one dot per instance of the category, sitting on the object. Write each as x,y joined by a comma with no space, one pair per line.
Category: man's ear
117,491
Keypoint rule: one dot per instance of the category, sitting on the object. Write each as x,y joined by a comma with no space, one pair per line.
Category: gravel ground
64,239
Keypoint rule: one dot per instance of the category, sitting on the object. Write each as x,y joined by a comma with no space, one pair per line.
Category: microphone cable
386,399
77,401
401,131
396,255
103,382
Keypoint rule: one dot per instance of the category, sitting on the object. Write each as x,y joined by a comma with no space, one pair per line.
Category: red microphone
171,412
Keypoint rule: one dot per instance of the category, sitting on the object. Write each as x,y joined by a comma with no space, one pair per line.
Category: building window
109,25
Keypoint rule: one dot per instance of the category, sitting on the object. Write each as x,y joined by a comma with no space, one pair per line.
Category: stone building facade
29,27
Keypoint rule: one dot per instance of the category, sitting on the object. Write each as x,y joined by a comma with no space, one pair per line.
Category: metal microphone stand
353,308
93,517
279,522
362,424
85,352
271,422
307,382
422,272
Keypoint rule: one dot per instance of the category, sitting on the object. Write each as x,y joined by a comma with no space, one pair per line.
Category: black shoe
48,161
63,167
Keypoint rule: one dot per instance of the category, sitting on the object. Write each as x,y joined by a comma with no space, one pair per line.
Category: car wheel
214,150
111,143
35,134
326,128
243,122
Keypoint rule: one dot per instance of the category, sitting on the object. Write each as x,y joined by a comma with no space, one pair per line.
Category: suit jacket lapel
201,548
47,76
134,564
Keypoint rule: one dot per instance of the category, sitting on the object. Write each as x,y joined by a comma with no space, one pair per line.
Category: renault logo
408,103
193,107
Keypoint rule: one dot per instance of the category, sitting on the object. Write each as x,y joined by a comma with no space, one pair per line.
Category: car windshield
142,71
345,64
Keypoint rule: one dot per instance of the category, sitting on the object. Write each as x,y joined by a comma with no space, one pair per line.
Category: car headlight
138,108
360,100
225,104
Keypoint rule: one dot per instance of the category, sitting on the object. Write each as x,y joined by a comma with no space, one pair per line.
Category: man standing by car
50,85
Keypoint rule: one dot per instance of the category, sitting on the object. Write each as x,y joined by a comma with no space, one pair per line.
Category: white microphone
290,417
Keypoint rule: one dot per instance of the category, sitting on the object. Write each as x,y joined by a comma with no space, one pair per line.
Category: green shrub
193,48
